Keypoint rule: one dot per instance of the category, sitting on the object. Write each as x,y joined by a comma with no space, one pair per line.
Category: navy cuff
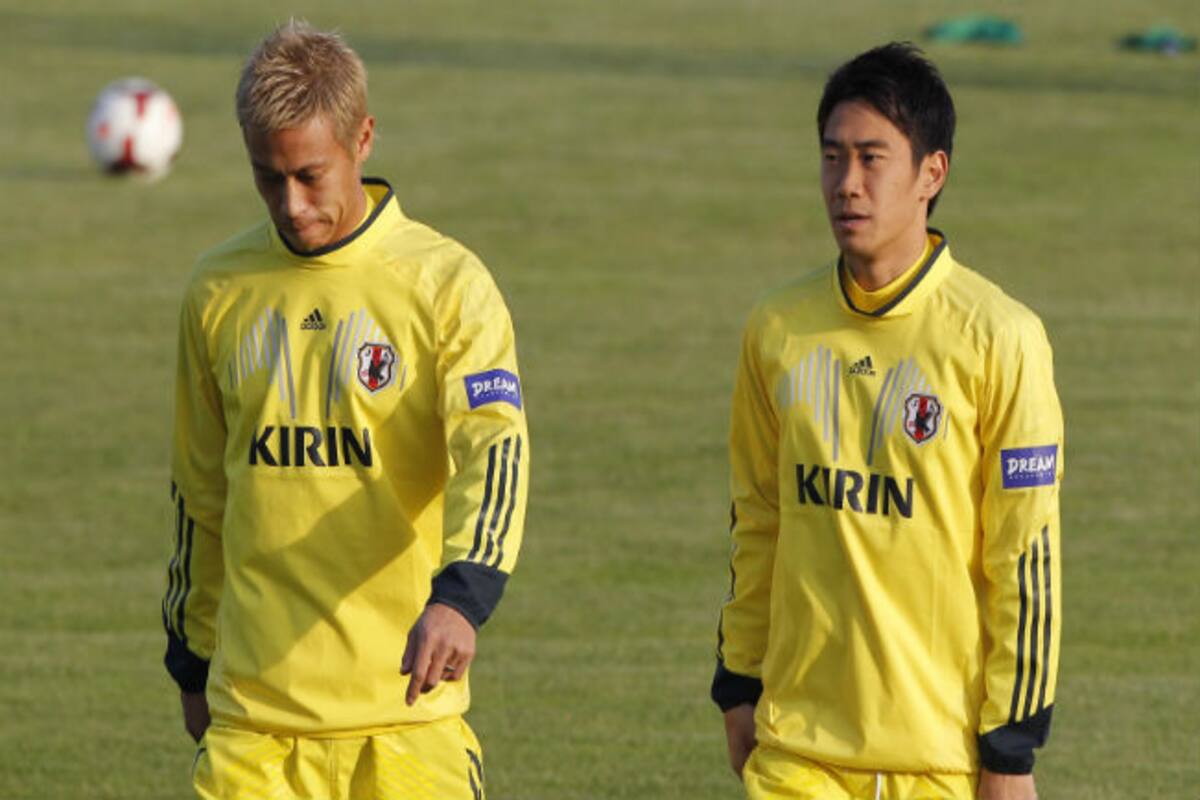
471,589
729,689
189,670
1008,750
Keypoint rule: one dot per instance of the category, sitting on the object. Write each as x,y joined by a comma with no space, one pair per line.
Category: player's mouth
849,221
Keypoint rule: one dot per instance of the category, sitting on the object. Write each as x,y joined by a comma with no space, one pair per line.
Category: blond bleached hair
297,73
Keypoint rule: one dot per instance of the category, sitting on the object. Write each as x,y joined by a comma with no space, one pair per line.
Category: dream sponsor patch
493,386
1023,467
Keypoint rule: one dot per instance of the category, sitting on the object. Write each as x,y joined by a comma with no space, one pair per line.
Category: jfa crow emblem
376,366
922,415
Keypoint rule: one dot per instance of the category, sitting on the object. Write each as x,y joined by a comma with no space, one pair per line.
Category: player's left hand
995,786
441,645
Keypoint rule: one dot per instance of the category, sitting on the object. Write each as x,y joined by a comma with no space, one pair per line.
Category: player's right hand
195,713
739,735
440,647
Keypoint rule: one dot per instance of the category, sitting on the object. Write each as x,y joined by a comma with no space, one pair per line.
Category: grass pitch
635,174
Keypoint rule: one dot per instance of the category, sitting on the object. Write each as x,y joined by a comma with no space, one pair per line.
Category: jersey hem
344,733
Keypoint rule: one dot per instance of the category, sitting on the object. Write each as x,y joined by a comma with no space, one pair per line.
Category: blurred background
635,174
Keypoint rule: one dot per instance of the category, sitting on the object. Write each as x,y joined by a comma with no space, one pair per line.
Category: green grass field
635,174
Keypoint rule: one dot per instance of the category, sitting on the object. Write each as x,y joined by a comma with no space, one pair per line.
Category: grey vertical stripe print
815,381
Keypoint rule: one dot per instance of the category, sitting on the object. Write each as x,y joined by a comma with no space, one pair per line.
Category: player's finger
454,669
437,668
410,651
420,669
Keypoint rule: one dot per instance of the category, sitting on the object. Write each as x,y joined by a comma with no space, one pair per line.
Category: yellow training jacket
350,444
895,475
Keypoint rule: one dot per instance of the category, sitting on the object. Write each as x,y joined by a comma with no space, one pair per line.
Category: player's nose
849,181
291,200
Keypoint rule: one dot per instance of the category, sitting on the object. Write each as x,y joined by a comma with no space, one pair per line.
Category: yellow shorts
772,774
438,760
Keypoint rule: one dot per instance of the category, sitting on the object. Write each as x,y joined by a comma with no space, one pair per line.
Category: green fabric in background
976,28
1163,39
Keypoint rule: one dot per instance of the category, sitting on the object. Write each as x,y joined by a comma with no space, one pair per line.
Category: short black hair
899,82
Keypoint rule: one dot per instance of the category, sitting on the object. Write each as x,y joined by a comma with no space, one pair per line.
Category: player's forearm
998,786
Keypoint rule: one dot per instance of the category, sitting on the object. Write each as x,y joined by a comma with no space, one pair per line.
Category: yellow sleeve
754,483
1021,428
482,409
196,570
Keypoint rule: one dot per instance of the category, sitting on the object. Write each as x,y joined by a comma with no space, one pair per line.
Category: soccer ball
135,128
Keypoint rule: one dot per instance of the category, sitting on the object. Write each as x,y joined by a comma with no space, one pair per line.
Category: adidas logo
862,367
313,322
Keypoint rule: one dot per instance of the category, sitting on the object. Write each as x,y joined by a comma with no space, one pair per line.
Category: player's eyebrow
261,167
862,144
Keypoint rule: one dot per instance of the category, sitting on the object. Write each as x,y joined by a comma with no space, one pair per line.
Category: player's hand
739,735
195,713
441,645
994,786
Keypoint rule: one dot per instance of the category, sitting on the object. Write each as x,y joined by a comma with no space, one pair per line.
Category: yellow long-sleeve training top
350,444
895,593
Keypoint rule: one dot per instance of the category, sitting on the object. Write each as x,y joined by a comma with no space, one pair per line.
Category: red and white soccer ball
134,128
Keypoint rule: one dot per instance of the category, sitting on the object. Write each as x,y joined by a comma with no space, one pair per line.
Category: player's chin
309,238
852,243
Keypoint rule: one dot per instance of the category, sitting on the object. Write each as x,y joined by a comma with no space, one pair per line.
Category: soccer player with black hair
350,466
892,626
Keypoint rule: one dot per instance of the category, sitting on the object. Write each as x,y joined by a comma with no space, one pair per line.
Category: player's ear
364,139
934,168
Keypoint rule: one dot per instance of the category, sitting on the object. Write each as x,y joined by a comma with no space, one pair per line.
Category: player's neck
876,270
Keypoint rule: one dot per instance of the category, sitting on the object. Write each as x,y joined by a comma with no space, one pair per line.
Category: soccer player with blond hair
892,626
350,465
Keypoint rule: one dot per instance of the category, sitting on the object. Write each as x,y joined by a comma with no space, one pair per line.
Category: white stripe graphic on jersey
260,329
354,320
837,402
898,384
801,378
815,381
259,349
825,386
359,338
887,381
276,362
287,359
349,337
337,338
895,398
